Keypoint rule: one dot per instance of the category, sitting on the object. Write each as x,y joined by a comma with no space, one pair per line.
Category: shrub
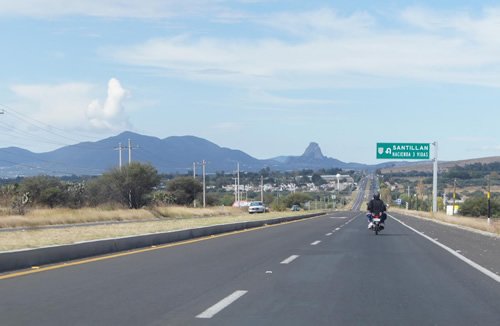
129,185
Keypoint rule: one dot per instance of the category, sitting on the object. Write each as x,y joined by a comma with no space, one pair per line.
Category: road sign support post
434,178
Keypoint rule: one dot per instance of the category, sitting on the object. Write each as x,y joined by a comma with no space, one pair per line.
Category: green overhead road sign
404,151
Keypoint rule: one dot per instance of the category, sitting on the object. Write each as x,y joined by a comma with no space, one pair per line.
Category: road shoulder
481,247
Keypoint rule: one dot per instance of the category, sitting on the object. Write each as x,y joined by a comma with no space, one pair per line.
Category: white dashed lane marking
219,306
289,259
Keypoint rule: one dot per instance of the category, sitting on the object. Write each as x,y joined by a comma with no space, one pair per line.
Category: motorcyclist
376,206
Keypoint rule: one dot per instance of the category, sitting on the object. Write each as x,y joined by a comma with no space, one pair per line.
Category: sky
266,77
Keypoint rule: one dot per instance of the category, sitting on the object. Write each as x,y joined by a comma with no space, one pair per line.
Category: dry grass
57,216
474,223
178,218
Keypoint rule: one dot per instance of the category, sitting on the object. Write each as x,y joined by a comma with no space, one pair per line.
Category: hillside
169,155
443,165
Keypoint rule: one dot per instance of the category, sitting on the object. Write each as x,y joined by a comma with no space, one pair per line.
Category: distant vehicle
295,208
256,207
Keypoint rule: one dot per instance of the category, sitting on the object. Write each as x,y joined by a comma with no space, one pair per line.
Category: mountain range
169,155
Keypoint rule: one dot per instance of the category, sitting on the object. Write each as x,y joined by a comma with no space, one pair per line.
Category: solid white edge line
315,243
216,308
480,268
289,259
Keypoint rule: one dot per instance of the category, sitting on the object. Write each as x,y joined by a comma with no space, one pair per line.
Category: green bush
131,185
478,206
45,190
185,189
298,198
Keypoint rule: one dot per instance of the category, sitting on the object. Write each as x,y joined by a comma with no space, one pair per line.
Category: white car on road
256,207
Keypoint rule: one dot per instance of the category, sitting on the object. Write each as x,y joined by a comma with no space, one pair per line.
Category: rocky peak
313,152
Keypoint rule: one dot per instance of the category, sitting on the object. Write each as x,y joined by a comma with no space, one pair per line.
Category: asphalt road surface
329,270
362,195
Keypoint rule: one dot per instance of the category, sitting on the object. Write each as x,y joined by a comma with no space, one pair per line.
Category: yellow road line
38,269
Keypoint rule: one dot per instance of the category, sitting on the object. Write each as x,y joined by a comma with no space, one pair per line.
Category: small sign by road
404,151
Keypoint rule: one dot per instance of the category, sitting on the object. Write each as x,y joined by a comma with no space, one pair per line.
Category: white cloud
57,105
483,29
333,50
66,106
106,8
110,115
324,22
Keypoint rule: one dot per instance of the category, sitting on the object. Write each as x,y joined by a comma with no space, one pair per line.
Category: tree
7,193
278,205
44,190
297,198
478,206
385,195
163,198
226,200
184,189
129,185
317,179
75,194
420,188
474,206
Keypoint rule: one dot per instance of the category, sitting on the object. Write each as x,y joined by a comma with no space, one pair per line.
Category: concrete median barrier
27,258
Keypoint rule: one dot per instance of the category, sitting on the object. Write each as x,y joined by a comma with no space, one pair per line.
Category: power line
40,160
43,126
45,169
37,125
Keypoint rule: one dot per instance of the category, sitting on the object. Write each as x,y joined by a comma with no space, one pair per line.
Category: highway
361,196
328,270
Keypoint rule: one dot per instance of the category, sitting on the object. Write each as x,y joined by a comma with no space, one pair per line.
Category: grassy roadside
143,222
474,223
67,216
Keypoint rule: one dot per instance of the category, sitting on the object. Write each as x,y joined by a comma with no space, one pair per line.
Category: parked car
295,208
256,207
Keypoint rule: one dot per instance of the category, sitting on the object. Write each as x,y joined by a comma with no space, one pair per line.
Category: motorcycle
376,223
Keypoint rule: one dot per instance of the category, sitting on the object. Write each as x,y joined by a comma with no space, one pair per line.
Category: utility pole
203,164
129,152
454,196
130,148
119,149
489,199
194,177
338,182
262,188
235,191
238,186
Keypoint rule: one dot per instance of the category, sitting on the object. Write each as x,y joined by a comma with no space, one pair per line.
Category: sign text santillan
404,151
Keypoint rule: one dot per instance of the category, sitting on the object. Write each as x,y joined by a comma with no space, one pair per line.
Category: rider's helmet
376,195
